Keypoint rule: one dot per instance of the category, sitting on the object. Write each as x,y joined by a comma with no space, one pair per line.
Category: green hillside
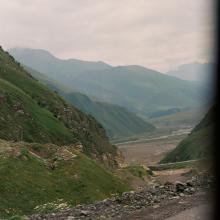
185,118
140,90
31,112
117,121
46,149
136,88
32,175
199,144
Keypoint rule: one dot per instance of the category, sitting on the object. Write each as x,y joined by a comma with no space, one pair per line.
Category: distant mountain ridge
44,62
198,72
136,88
117,121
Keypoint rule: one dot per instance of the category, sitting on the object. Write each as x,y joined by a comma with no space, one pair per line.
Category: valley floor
152,150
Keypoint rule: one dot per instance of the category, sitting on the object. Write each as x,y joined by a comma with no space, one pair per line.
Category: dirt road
201,212
196,207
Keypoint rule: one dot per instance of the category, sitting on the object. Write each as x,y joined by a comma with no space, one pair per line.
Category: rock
130,202
180,187
20,112
71,218
189,183
156,206
107,201
84,212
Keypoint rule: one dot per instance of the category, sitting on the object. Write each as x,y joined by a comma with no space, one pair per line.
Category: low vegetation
199,144
44,178
29,111
118,122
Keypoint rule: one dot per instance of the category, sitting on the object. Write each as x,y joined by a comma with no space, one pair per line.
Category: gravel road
196,207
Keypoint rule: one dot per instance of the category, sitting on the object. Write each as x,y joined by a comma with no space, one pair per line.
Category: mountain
140,90
198,144
118,122
197,72
136,88
29,111
45,62
51,154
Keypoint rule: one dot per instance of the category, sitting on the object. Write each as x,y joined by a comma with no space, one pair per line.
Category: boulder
180,187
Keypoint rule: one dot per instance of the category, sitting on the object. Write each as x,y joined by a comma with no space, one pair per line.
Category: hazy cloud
159,34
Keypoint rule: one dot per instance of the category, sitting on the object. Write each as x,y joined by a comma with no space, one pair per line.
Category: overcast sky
158,34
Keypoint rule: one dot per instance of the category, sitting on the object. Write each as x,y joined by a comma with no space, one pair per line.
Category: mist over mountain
117,121
62,70
197,72
136,88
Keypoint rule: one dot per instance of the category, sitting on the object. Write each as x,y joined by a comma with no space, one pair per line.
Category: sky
158,34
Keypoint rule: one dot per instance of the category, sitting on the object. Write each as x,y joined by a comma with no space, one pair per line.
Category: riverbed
150,151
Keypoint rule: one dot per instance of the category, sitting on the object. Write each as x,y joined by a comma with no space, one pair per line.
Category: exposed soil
173,175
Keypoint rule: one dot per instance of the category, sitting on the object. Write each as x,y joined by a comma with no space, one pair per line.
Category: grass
195,146
45,117
42,126
134,175
117,121
26,181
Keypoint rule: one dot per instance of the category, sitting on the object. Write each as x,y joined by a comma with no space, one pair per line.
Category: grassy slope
117,121
189,117
26,179
34,124
45,109
139,89
197,145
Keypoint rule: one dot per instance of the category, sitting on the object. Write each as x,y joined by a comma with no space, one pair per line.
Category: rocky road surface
201,212
195,207
156,202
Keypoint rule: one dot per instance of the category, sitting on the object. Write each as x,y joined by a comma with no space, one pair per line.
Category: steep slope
198,144
117,121
140,89
37,178
136,88
184,119
42,116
